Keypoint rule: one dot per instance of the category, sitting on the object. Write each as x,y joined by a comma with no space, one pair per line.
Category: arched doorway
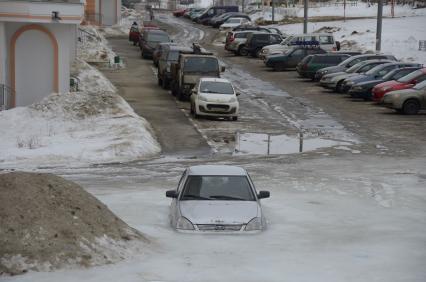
34,64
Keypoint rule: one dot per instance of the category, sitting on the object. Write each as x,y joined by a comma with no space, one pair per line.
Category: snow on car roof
216,170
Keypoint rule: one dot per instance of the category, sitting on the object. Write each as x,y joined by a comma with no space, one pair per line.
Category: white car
214,97
323,40
216,198
233,22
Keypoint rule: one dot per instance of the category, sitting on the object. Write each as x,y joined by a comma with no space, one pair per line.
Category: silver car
216,198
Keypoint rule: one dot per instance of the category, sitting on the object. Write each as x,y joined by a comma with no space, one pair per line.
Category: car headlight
358,88
265,51
323,72
184,224
349,83
254,224
203,98
386,88
232,100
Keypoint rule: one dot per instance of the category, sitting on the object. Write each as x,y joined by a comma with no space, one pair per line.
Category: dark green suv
291,58
309,66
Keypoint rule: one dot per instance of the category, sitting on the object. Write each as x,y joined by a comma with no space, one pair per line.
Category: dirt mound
47,222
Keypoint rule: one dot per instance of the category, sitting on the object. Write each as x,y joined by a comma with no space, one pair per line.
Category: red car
404,82
179,12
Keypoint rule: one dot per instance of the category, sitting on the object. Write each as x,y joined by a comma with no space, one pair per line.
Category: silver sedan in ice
216,198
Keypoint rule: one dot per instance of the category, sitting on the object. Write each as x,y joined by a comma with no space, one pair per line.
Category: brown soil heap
47,222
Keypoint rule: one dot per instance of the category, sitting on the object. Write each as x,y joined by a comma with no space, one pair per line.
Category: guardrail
6,97
83,35
422,45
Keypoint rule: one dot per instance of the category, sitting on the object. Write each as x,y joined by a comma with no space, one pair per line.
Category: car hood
369,83
218,98
388,83
343,76
404,92
333,69
219,212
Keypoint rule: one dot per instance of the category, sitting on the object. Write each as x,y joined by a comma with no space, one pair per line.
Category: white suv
324,40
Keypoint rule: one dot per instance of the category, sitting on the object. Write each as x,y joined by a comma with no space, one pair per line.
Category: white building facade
37,47
103,12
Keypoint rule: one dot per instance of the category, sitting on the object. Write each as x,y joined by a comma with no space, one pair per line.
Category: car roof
179,48
156,31
215,79
216,170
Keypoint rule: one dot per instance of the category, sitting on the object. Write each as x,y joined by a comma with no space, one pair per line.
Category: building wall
109,11
34,54
3,53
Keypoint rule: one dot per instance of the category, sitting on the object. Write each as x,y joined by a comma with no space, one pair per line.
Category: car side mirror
414,81
263,194
171,194
238,93
171,40
222,68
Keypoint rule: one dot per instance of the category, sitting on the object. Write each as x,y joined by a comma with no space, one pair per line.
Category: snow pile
92,126
93,47
128,16
47,222
400,36
279,14
360,10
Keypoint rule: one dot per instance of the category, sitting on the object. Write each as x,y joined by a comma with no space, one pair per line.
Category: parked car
363,89
214,11
257,40
246,27
214,97
291,58
350,62
375,73
404,82
224,19
179,12
407,101
309,66
156,54
216,198
150,39
335,80
233,22
196,13
134,35
214,19
323,40
169,56
236,41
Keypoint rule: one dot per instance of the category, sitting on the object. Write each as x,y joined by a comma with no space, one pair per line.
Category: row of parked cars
191,73
317,56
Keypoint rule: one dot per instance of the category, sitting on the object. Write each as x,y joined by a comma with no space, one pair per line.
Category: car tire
159,81
411,107
165,83
180,95
234,118
258,53
242,51
339,85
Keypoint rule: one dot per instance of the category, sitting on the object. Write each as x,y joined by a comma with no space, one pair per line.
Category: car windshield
216,87
379,70
421,85
201,64
219,188
410,77
173,56
287,40
158,37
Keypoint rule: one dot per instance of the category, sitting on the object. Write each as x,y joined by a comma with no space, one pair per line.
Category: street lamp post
379,25
305,16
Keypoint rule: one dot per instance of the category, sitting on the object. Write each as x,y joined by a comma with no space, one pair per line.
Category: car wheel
258,52
234,118
159,81
165,84
179,95
411,107
242,51
339,86
173,87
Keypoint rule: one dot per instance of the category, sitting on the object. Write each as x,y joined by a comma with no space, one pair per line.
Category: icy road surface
328,220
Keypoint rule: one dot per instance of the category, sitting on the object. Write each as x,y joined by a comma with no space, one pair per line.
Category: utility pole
379,25
242,4
305,17
273,11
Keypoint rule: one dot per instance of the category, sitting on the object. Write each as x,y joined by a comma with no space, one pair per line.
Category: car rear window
201,64
326,40
157,37
242,35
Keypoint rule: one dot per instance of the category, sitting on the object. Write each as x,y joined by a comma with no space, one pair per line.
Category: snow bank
93,46
400,36
92,126
128,16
